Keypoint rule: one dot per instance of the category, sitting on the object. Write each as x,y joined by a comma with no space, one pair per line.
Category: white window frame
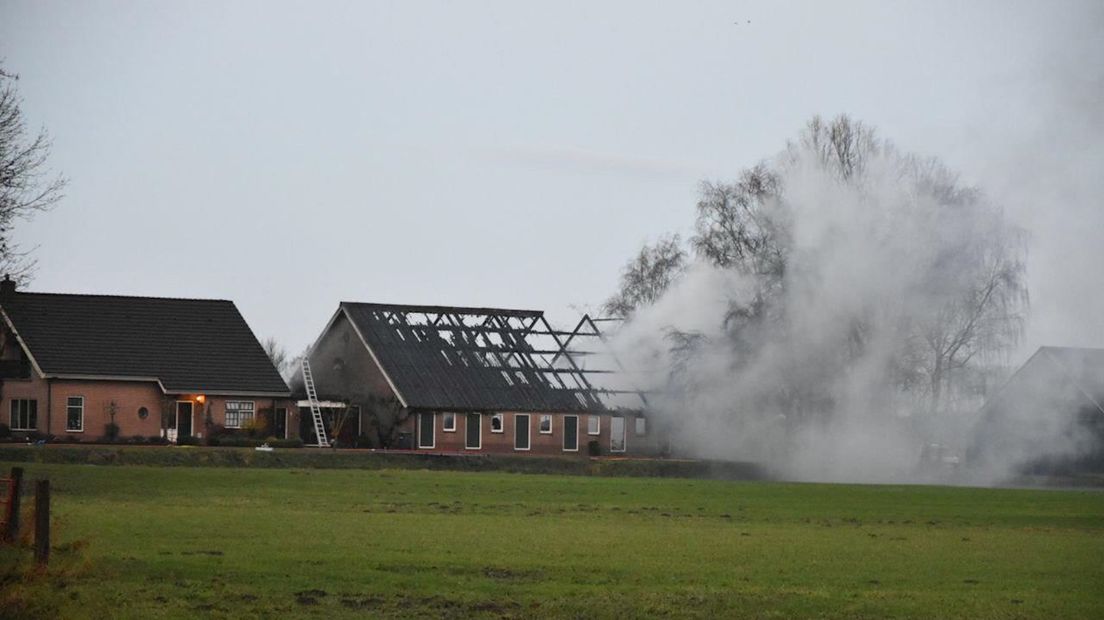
540,423
445,416
418,443
640,426
501,417
11,413
67,408
467,420
624,435
528,434
226,412
576,448
597,419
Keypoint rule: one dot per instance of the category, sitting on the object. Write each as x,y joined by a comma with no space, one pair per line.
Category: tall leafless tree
26,185
647,276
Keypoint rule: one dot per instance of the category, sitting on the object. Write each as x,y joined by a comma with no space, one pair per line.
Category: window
238,412
449,423
594,425
143,413
74,414
571,433
426,437
521,431
617,434
641,427
496,423
545,424
473,431
24,415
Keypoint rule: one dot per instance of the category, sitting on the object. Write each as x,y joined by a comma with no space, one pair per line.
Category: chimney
7,288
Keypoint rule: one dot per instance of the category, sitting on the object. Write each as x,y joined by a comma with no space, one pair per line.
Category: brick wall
545,444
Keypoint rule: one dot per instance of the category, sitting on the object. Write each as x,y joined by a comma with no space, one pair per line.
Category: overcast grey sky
288,155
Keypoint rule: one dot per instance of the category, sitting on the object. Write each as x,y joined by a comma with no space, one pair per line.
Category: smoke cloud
836,374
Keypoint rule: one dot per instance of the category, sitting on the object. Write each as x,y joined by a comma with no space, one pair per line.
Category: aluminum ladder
316,411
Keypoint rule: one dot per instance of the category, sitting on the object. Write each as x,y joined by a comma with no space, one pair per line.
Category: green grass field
150,542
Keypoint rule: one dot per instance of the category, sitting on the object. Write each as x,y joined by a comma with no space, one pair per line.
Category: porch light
200,398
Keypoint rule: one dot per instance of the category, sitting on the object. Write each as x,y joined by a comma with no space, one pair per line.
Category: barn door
473,431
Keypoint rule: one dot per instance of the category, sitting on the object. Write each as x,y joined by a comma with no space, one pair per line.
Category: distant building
72,365
1049,416
471,380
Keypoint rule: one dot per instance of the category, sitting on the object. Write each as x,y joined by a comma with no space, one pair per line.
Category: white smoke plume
834,376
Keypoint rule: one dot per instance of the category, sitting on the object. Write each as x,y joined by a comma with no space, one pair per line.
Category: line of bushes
322,459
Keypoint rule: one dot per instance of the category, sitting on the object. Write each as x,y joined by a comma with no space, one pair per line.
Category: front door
279,423
183,419
617,434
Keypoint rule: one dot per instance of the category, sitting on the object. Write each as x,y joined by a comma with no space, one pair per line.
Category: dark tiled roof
189,344
474,359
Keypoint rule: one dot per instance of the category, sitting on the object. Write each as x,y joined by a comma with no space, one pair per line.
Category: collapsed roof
489,359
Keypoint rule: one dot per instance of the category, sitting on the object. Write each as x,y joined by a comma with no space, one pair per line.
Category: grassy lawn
157,542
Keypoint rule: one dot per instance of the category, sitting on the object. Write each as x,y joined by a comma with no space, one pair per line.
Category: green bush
158,440
111,432
286,443
187,441
5,431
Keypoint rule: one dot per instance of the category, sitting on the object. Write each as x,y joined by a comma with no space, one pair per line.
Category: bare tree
277,354
966,296
26,187
647,276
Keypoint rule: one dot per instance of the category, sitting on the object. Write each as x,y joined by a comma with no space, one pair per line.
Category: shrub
158,440
594,448
362,441
254,427
137,440
286,443
5,431
187,441
111,432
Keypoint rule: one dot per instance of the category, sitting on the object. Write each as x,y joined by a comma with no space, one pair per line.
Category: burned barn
468,380
1048,418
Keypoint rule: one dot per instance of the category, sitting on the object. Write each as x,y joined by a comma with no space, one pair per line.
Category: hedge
196,456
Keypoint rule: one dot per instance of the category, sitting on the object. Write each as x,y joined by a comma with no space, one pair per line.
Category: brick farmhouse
86,367
470,380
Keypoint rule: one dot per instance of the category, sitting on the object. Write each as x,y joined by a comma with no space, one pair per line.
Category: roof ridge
108,296
441,308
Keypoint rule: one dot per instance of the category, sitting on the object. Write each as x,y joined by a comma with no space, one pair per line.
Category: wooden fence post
42,522
16,490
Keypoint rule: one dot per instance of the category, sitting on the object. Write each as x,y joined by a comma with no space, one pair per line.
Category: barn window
497,423
426,438
545,424
594,425
449,422
641,426
24,415
74,414
143,413
238,413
